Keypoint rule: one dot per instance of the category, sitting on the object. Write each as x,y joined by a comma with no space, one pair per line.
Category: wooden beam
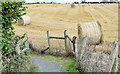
70,39
113,56
66,42
80,51
49,43
44,50
57,37
115,65
74,43
75,46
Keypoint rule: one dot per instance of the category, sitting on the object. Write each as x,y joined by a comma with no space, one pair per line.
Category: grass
68,63
70,66
34,55
34,68
53,58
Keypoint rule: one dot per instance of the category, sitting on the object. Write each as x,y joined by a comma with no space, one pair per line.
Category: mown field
59,17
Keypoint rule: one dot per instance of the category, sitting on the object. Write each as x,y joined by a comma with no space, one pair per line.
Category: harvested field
59,17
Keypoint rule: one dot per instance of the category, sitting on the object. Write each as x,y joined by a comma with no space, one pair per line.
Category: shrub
11,12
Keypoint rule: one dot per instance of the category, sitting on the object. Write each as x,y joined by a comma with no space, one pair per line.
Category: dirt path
46,65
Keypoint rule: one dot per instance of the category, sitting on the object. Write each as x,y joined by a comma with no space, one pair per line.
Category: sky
61,1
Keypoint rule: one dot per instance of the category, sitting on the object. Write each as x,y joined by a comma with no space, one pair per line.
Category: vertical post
49,43
66,42
119,50
27,42
1,67
113,56
80,52
115,65
75,45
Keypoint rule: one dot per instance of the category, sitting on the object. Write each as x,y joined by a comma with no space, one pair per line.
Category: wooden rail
66,38
70,39
57,37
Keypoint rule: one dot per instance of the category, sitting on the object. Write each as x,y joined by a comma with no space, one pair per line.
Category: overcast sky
61,1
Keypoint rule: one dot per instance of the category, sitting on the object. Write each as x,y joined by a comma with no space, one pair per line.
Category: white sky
62,1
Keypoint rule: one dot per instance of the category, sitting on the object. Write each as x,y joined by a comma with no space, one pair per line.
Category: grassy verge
34,68
68,63
34,55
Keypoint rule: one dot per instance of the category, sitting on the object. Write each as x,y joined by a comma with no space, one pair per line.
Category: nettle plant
11,12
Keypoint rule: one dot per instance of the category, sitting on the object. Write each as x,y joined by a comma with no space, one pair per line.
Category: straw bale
73,6
94,61
92,30
24,21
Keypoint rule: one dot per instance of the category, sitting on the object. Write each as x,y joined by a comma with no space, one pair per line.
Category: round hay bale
83,5
24,21
92,30
119,7
55,5
89,4
37,6
94,61
73,6
102,4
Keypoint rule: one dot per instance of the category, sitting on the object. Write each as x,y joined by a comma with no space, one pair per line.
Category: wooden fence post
115,65
75,45
74,42
113,60
1,66
49,43
66,42
80,52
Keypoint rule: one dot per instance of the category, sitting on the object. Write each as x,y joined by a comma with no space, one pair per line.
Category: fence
95,57
92,61
93,54
4,65
66,37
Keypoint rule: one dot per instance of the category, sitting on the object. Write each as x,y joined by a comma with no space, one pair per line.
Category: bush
11,12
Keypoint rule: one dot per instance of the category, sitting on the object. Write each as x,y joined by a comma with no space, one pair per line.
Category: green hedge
11,12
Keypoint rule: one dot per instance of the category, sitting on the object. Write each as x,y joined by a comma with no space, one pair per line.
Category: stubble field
59,17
